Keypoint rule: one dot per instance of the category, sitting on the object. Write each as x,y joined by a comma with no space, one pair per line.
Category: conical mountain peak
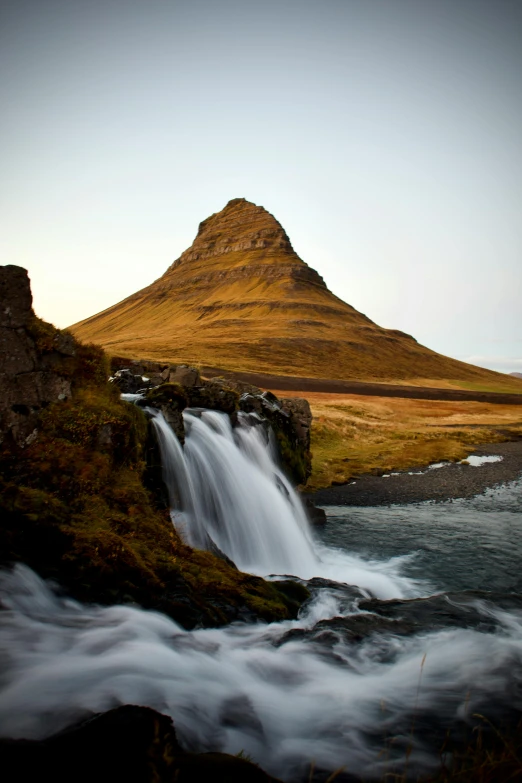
240,227
240,298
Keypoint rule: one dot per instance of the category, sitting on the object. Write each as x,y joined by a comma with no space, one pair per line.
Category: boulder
129,743
182,374
128,382
215,396
35,366
171,399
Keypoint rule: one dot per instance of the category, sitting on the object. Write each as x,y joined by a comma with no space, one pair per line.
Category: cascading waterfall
227,491
288,694
225,488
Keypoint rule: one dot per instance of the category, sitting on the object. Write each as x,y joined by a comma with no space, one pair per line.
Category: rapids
243,688
287,694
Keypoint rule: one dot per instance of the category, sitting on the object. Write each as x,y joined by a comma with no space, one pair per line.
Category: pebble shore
453,480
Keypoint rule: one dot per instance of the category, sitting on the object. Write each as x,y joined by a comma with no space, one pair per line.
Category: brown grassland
353,435
240,298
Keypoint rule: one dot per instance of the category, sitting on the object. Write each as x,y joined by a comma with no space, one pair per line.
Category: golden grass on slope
240,298
353,435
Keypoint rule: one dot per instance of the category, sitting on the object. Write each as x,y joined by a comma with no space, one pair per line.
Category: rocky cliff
240,298
75,501
36,363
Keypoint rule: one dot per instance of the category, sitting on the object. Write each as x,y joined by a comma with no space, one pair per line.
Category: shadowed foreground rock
131,744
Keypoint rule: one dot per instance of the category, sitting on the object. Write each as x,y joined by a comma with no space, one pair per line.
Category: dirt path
330,386
451,481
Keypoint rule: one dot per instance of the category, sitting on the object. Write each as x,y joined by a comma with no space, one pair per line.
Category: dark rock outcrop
290,418
171,399
182,374
290,421
405,617
34,366
131,744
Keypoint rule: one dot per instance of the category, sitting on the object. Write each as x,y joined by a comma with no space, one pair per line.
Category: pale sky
385,136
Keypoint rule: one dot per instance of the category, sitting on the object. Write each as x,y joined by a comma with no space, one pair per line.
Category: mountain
516,374
240,298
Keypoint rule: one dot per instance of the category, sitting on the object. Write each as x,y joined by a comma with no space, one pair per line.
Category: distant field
354,434
510,389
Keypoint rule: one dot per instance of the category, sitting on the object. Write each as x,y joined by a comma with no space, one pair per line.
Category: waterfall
316,692
226,489
227,492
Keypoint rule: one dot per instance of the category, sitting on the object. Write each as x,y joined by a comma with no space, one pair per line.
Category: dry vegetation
241,299
353,435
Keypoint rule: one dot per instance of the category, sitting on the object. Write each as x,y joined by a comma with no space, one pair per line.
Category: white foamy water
235,689
225,488
286,702
132,397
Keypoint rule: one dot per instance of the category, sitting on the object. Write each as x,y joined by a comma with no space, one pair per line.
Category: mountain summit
240,298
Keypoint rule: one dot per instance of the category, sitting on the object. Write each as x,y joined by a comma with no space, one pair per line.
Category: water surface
465,544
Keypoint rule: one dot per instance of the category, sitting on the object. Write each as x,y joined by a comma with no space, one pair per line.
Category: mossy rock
215,397
168,394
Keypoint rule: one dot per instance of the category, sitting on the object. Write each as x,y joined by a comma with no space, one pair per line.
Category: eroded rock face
299,410
34,367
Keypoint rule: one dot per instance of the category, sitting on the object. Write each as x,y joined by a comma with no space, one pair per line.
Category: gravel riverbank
452,480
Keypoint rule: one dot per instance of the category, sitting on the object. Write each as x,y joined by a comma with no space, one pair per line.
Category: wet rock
404,617
131,744
214,396
171,399
128,382
299,410
251,403
316,516
290,421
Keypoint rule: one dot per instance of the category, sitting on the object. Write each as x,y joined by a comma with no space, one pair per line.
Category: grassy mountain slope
241,298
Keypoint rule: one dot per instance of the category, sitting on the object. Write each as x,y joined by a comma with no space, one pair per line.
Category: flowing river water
366,678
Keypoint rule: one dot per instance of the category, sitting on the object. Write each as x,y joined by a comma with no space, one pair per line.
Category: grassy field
353,435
